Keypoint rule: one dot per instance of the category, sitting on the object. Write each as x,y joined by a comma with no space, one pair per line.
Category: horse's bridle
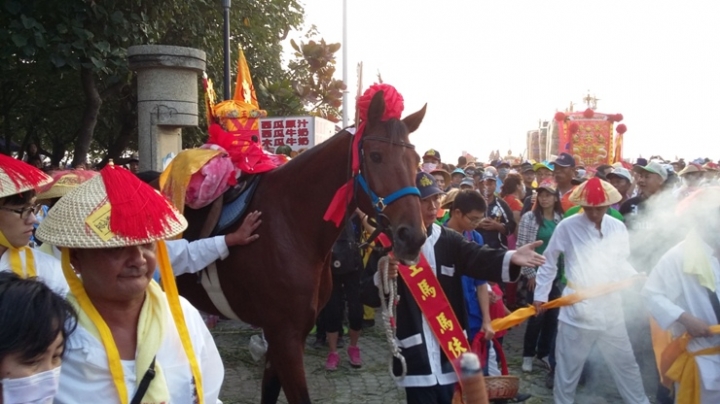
380,203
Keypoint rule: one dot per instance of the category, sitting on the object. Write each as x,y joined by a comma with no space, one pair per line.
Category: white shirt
49,270
187,257
670,292
86,378
592,257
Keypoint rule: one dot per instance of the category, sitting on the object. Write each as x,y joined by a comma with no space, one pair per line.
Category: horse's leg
270,382
285,353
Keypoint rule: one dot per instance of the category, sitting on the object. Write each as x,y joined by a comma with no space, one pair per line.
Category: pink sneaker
332,361
354,354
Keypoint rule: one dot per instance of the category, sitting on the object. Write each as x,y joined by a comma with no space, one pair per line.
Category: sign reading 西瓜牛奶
298,132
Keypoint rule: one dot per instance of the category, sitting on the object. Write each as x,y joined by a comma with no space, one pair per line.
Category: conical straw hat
17,177
595,192
83,217
64,182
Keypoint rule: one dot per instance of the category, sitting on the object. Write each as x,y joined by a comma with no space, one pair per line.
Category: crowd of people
636,242
598,226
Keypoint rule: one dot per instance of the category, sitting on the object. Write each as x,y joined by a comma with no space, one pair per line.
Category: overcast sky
489,70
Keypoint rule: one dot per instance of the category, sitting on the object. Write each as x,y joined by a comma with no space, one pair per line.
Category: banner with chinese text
298,132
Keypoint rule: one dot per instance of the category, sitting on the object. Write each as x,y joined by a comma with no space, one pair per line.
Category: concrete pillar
167,98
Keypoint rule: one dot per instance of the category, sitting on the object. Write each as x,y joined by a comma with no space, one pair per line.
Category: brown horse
281,281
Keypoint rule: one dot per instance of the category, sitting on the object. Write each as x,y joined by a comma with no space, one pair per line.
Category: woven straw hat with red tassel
595,192
113,209
64,182
17,177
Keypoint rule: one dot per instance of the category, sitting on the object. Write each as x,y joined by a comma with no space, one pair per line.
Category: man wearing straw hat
133,339
18,182
596,248
185,257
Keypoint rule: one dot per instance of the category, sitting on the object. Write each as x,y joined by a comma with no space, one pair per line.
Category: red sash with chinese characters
434,305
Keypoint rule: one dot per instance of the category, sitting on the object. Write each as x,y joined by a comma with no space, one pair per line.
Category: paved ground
372,384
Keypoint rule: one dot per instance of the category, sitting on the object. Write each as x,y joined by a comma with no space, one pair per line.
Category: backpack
346,256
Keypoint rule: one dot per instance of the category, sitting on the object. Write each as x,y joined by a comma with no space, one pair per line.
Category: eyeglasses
475,221
23,212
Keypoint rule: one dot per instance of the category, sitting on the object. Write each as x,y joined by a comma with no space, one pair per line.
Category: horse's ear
377,108
413,121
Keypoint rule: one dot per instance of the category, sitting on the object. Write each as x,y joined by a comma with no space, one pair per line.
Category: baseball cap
565,160
620,172
432,153
544,164
467,181
641,162
653,167
548,185
458,171
489,175
470,171
427,185
526,166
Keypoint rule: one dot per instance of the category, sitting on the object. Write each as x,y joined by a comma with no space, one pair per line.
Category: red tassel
22,174
338,206
594,193
137,211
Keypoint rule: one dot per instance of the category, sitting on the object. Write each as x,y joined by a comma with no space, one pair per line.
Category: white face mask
40,388
428,167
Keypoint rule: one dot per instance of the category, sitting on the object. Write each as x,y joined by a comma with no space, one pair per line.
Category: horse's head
389,164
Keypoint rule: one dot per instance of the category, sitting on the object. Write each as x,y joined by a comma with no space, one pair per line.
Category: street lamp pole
226,49
345,67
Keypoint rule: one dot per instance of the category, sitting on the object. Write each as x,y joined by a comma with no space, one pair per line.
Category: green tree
65,80
312,74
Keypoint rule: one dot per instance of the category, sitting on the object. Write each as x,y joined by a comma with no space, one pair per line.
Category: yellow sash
16,263
150,329
679,365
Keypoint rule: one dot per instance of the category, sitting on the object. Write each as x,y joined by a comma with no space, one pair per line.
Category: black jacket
453,257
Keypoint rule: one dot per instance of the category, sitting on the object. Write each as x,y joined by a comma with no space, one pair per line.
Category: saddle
230,207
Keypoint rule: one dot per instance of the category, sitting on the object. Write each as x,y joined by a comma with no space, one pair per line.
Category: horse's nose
408,241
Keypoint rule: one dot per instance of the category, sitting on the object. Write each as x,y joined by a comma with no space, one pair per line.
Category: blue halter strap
380,203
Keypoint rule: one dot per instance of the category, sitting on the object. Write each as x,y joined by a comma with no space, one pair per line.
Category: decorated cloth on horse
112,228
197,177
18,182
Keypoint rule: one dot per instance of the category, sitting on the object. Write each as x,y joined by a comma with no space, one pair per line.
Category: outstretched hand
526,256
244,234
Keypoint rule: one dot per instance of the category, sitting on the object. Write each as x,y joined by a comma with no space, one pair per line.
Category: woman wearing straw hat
18,182
134,341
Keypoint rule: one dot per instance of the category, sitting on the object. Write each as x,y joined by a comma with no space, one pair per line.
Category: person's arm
487,263
484,299
547,272
663,288
190,257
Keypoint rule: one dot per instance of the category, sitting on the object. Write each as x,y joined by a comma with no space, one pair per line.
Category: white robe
47,267
592,258
670,292
86,378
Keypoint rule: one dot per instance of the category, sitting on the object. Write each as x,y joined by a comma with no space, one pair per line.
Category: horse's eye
376,157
